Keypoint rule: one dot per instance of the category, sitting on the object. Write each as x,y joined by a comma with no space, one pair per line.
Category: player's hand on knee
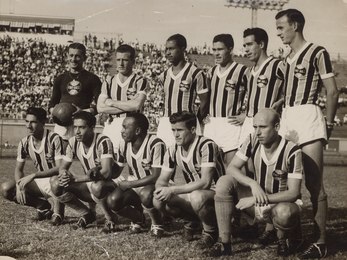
65,178
259,195
245,203
25,180
20,195
163,193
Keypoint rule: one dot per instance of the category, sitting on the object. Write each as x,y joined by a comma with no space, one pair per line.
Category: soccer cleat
294,245
43,214
207,240
157,230
314,251
267,238
135,228
57,219
282,248
85,220
109,227
189,230
220,249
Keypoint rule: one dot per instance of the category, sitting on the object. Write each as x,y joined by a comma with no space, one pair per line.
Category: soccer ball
62,114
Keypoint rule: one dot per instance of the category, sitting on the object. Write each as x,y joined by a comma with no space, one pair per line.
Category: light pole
254,5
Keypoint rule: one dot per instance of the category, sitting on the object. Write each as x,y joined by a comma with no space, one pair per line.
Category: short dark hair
125,48
225,38
259,34
39,113
86,116
293,15
79,46
180,40
187,117
141,121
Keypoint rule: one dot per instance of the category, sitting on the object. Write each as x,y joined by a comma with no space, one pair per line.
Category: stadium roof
28,21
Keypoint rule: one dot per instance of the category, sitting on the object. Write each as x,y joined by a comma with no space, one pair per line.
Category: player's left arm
294,175
331,102
129,105
202,89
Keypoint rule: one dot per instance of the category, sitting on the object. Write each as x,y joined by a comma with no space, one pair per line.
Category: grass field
23,238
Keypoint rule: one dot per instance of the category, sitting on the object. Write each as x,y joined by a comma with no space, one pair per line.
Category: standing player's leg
313,168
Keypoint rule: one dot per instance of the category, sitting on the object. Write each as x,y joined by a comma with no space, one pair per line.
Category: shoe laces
156,228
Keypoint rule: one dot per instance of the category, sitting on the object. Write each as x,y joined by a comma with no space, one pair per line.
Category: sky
199,20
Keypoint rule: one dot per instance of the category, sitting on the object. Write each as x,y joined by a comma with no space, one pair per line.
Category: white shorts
164,131
302,124
44,186
225,135
65,132
246,129
113,130
263,213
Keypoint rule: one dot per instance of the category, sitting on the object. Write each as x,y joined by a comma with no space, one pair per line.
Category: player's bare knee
198,200
7,190
146,197
115,201
225,186
285,215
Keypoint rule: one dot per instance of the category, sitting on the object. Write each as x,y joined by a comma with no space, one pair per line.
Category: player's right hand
64,178
20,195
259,195
25,180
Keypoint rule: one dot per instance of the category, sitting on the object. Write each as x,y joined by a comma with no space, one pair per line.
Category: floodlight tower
254,5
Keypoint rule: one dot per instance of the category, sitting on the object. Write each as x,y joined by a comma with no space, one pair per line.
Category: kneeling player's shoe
267,238
157,231
57,219
282,247
189,230
220,249
85,220
315,250
135,228
109,227
43,214
207,240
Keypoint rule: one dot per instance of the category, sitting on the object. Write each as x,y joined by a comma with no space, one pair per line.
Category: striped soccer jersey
304,73
44,157
181,90
150,155
202,153
227,90
101,148
113,88
264,86
272,174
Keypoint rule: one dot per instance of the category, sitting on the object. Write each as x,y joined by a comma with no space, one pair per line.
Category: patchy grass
23,238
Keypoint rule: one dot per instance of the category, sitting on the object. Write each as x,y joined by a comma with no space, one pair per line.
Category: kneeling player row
184,180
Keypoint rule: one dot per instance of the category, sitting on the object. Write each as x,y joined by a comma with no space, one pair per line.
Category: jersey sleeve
104,88
209,154
169,163
120,153
57,143
245,150
142,85
105,147
22,152
157,154
294,163
70,150
323,64
201,82
280,71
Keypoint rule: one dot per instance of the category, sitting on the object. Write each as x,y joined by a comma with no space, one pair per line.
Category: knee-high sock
225,209
154,214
